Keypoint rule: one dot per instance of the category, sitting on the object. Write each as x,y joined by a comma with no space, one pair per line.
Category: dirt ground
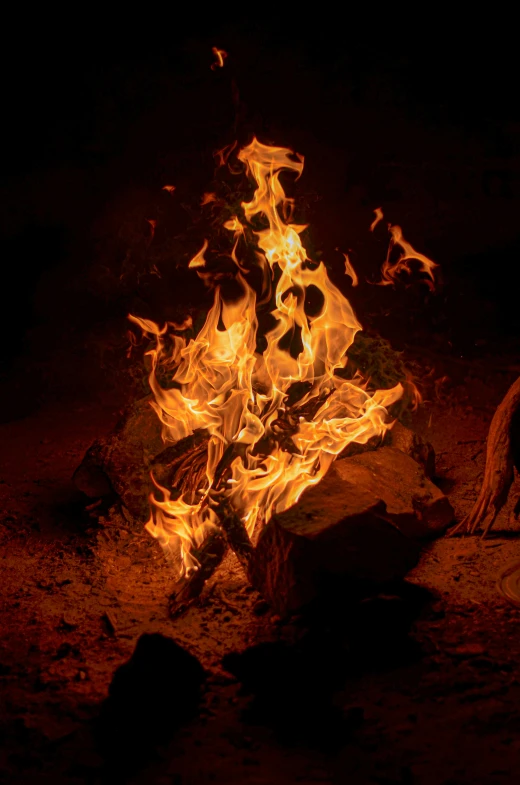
438,705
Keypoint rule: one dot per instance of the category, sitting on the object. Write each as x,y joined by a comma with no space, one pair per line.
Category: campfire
244,493
250,417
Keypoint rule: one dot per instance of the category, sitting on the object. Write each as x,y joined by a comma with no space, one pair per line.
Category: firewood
231,534
499,471
182,467
235,534
119,464
189,588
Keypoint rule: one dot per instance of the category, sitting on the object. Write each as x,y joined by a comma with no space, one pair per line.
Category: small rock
150,695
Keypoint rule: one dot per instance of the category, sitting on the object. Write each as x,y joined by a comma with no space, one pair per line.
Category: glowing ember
220,56
275,447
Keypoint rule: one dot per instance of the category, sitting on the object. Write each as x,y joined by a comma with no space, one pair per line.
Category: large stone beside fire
409,442
363,523
414,504
402,438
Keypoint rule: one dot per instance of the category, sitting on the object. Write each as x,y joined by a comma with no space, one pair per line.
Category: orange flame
222,156
207,198
379,217
220,55
349,270
241,396
198,260
391,269
153,224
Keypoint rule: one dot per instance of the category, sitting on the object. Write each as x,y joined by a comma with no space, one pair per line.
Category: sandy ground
438,705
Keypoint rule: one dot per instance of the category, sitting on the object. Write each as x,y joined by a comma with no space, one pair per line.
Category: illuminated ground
442,709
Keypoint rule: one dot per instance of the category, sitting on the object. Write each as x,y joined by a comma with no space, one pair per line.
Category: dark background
414,114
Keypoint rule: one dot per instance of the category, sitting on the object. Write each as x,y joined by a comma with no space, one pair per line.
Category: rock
119,465
402,438
327,536
363,523
412,444
413,502
120,462
150,696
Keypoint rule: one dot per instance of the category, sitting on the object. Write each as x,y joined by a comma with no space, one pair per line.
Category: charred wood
189,588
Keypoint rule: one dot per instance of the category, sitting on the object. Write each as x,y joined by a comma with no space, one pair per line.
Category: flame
222,155
169,188
153,224
378,217
391,268
207,198
273,447
220,55
349,270
198,260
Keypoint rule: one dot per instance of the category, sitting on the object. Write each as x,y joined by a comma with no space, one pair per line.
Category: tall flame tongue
276,448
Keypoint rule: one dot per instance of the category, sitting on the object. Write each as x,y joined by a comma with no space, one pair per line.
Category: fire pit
252,419
329,633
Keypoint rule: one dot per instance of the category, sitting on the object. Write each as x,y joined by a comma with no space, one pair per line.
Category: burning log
501,458
235,534
182,466
231,534
362,524
118,465
190,586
